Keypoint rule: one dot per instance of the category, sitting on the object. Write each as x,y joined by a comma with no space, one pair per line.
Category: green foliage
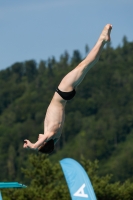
99,120
46,181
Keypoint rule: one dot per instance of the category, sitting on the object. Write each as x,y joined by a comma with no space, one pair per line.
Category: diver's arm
36,145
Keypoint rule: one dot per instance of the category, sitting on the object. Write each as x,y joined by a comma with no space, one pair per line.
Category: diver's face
47,147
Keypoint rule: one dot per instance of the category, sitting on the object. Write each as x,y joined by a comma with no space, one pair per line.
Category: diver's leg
74,78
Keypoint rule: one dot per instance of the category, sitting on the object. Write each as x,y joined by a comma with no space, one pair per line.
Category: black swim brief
66,95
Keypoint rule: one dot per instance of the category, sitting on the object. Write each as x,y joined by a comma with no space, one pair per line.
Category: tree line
99,120
47,182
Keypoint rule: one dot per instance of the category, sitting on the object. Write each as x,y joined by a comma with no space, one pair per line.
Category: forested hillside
99,120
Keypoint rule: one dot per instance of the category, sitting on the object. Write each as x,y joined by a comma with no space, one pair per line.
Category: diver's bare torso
55,116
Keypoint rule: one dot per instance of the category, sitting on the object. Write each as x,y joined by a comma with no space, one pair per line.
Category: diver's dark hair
48,147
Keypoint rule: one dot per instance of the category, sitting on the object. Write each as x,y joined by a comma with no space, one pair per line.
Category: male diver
66,90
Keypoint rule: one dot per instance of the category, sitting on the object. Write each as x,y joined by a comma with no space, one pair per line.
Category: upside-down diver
55,115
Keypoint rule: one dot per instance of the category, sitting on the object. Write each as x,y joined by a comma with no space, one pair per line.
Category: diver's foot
105,35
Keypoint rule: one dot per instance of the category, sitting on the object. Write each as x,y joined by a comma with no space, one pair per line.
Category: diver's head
47,148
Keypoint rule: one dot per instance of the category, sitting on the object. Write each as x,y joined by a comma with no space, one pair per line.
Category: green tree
46,181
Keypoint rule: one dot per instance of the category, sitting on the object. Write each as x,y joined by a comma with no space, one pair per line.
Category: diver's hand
28,144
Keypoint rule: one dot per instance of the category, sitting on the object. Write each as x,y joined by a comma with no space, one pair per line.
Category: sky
40,29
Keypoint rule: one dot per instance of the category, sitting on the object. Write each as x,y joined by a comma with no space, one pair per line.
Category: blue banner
0,196
77,180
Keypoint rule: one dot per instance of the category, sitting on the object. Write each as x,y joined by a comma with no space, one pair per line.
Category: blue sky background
39,29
